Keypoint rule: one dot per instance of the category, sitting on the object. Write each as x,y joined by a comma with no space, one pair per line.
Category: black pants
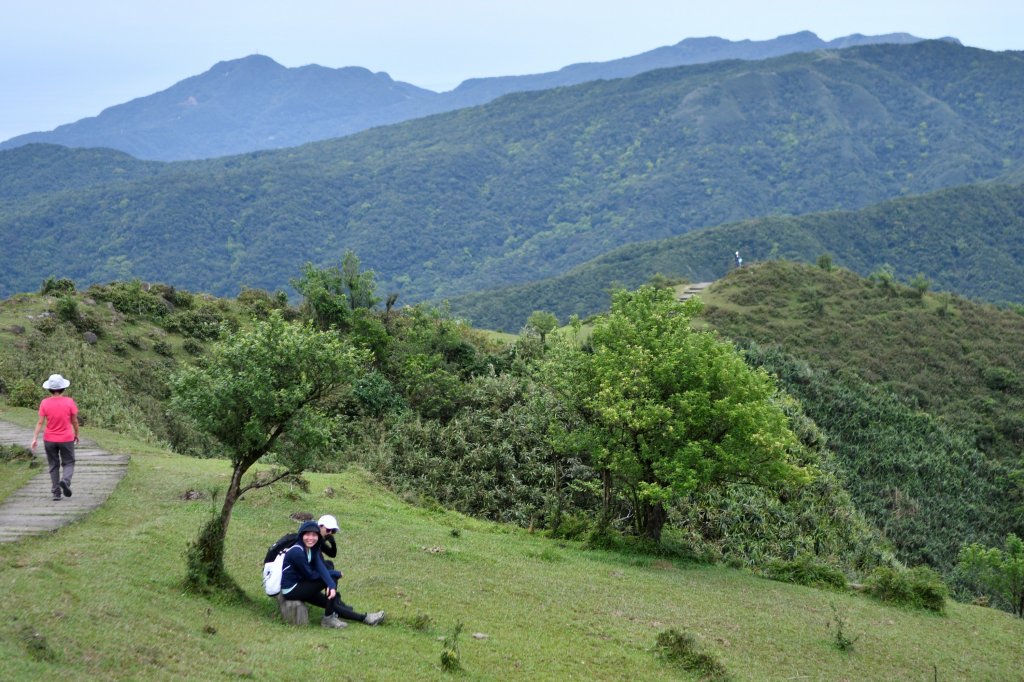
58,455
311,592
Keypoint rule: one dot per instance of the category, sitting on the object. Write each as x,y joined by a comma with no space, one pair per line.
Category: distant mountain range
534,184
254,103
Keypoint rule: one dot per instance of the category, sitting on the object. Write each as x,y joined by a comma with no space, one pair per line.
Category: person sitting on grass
305,577
328,546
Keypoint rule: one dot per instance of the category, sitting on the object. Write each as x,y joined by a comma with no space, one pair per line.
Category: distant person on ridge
60,414
739,261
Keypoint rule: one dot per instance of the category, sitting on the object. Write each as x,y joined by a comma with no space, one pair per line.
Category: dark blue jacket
302,564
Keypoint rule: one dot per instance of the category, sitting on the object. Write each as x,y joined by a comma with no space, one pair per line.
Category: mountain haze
533,184
254,103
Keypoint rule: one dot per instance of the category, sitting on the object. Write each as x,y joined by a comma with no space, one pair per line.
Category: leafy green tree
999,572
542,323
257,393
324,301
360,285
667,410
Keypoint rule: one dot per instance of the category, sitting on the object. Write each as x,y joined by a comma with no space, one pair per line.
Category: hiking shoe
374,618
66,488
332,621
56,497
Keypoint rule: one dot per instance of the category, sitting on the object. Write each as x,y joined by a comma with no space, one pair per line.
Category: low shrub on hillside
919,587
681,648
15,453
806,570
23,393
133,299
53,286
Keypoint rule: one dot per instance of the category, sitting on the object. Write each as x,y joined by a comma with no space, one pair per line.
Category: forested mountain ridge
535,183
254,103
964,239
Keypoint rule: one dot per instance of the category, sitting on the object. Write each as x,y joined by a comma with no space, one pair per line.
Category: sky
63,60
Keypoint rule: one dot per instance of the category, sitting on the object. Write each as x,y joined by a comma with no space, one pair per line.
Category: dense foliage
664,410
876,399
533,184
440,413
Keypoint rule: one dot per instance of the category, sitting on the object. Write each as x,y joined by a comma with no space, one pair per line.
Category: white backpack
272,574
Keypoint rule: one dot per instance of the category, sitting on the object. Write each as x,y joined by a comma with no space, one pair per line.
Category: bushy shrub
15,453
919,587
376,395
201,322
806,570
57,287
132,299
192,346
66,310
161,347
996,572
681,648
24,393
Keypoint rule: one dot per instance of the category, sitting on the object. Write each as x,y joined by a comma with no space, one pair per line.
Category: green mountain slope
965,240
534,184
921,396
115,610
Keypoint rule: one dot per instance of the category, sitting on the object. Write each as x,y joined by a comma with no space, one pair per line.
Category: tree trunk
654,518
205,558
606,497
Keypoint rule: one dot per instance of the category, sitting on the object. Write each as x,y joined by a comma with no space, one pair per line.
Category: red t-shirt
58,410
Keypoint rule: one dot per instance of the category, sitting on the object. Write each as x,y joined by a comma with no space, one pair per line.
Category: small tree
666,410
999,572
920,284
542,323
257,394
324,301
361,285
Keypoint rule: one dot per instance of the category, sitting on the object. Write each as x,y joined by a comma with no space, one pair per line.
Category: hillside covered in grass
102,599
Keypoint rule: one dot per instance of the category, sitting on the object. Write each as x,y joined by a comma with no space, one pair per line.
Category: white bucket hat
56,383
328,522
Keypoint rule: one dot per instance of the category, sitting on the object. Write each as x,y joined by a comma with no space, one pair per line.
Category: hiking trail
692,290
30,509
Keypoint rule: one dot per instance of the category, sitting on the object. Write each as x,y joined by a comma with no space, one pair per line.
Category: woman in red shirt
60,414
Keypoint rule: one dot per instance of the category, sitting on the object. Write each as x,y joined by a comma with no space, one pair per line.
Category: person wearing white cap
60,415
328,527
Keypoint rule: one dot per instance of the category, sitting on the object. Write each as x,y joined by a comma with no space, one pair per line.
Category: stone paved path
31,511
694,289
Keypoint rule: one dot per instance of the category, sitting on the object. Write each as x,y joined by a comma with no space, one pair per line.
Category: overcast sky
62,60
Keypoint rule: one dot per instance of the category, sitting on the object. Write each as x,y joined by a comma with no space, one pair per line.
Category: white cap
328,522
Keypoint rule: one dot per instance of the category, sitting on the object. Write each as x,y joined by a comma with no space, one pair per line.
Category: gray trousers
57,455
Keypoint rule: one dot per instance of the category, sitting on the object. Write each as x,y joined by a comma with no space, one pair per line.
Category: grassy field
102,599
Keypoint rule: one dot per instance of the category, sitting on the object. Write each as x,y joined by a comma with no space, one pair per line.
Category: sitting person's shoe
66,488
374,618
332,621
